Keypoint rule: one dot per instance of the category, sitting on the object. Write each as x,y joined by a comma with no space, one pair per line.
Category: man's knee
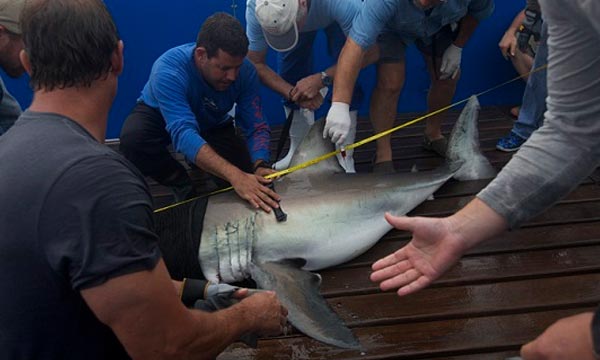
389,84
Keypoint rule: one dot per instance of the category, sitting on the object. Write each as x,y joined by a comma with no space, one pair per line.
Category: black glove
531,27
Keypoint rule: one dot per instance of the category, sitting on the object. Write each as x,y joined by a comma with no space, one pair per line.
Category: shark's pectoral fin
298,291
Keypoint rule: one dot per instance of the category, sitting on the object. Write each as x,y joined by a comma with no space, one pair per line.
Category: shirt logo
209,104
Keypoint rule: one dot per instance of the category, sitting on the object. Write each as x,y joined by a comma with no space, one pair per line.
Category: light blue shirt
190,105
321,14
410,22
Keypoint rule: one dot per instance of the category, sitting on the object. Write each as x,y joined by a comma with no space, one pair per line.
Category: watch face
326,79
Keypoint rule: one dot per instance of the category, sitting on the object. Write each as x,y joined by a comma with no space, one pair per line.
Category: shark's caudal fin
464,155
314,146
298,291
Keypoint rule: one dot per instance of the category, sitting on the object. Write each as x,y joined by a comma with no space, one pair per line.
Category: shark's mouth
226,251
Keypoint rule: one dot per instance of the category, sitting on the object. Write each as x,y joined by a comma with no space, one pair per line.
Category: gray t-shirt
566,149
74,215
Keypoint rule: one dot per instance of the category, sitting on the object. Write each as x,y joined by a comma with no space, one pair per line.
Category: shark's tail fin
464,155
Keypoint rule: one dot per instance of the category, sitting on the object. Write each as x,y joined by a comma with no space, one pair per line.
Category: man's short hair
69,42
223,31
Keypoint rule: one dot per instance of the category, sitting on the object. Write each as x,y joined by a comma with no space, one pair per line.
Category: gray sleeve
559,155
99,228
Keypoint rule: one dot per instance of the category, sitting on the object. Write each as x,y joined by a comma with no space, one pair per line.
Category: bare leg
440,95
384,102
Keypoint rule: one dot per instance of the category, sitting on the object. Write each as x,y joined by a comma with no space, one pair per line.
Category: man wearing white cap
11,45
290,27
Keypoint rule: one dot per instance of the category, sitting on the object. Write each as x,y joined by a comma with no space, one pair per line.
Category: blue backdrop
150,27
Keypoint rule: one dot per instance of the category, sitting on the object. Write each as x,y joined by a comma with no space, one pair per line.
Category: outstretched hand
432,250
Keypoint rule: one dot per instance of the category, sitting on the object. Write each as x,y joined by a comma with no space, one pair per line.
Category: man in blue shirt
290,27
11,44
440,29
186,102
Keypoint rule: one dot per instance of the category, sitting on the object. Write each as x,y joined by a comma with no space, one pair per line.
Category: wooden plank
479,269
414,340
498,298
534,238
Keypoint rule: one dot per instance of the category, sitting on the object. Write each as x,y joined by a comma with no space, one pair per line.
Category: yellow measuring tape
361,142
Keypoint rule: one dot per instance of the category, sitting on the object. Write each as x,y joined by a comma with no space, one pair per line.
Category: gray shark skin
333,217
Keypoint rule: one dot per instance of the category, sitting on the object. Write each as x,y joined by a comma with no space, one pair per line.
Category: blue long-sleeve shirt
189,104
409,21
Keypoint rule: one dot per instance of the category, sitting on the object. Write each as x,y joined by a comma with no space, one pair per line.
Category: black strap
192,290
285,134
279,214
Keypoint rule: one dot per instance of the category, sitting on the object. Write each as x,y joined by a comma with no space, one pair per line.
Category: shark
332,217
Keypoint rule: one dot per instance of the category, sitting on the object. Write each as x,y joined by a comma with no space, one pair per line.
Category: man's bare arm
249,187
267,76
151,322
348,66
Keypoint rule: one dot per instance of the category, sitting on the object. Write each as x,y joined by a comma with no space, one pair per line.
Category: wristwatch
326,79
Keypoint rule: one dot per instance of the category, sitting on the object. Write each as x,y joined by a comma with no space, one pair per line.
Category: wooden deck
501,295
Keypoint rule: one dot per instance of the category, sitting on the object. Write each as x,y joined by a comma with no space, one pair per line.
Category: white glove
337,123
450,62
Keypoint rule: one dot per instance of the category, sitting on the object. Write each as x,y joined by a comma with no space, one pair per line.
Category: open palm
432,250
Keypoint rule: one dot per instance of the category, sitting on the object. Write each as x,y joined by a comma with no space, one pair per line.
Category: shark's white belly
320,234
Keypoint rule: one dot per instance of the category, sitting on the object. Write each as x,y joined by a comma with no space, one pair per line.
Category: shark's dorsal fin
313,145
464,155
298,291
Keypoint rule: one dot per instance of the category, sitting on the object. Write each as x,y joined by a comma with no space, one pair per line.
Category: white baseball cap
10,10
278,21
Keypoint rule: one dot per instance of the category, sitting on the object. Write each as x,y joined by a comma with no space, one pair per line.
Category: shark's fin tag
279,214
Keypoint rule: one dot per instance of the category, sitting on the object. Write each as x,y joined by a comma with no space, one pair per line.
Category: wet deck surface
501,295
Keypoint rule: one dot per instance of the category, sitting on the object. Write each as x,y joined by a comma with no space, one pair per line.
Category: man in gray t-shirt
11,45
